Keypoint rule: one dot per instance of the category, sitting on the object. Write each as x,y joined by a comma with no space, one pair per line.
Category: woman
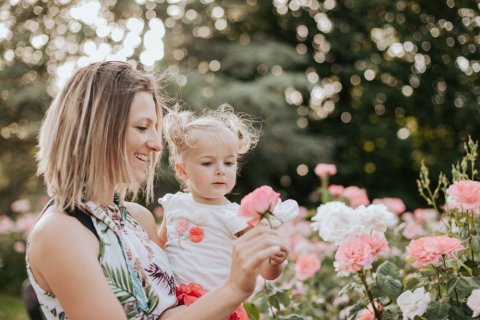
92,256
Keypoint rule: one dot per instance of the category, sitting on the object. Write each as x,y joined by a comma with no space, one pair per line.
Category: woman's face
143,139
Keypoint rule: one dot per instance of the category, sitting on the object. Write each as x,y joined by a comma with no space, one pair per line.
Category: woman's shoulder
144,217
55,223
58,237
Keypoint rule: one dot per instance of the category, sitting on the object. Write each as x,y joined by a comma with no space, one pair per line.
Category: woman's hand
249,252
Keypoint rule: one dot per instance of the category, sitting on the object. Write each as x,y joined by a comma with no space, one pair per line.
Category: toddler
200,224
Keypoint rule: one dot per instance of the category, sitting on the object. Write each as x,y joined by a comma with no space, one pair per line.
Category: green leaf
389,269
252,311
274,302
437,311
458,288
476,246
460,313
283,297
389,280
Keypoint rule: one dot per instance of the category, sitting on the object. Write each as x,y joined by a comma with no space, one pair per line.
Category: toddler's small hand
278,258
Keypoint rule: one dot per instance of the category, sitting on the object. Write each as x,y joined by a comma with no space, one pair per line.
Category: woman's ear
181,171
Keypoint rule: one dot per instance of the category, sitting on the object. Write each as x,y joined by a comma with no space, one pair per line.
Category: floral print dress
136,269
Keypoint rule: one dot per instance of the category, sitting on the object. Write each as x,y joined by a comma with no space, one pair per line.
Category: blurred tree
374,86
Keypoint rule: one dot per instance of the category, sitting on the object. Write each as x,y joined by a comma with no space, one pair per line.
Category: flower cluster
373,260
263,205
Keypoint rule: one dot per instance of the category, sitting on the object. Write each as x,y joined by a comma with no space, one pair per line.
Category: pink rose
412,230
356,196
444,246
336,190
366,315
352,256
306,266
377,243
394,205
257,203
464,195
325,169
22,205
369,314
6,225
425,215
416,249
429,250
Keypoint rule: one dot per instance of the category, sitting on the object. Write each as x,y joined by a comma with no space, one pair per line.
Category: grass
11,308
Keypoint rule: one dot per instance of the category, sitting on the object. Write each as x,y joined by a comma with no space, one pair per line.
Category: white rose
335,222
376,218
413,303
473,302
284,212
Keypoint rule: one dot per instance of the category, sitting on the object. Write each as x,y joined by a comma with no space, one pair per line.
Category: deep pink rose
306,266
394,205
325,169
356,196
464,195
258,202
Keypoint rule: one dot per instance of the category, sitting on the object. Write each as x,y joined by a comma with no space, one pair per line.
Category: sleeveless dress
136,269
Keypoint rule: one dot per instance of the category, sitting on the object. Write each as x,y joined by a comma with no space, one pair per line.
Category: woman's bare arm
249,251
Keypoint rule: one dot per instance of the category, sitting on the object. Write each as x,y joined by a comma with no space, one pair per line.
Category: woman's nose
155,142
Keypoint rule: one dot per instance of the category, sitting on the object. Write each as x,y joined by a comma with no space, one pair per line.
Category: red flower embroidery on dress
188,293
196,234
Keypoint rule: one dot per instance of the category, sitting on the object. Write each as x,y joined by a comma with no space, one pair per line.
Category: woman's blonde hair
82,147
178,127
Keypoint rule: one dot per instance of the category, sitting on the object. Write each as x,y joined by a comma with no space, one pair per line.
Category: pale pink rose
377,243
22,205
302,212
26,222
425,215
369,314
356,196
352,256
464,195
258,202
336,190
366,314
412,230
416,249
325,169
19,246
429,250
181,226
444,245
6,225
394,205
306,266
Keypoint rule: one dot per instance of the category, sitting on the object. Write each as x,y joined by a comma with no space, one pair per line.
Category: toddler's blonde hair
178,126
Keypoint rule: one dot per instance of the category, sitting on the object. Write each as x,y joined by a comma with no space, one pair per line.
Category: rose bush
380,261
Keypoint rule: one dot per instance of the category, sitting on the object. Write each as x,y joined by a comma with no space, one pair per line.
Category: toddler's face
209,168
